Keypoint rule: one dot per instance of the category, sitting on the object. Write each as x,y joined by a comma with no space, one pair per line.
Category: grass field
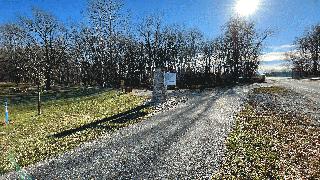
271,144
70,117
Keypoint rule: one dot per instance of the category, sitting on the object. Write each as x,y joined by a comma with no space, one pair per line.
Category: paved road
184,142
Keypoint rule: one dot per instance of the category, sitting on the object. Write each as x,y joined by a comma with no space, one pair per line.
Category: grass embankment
31,137
270,144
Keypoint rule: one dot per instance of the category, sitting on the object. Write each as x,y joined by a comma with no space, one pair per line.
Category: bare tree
44,28
107,21
243,46
106,50
306,56
13,43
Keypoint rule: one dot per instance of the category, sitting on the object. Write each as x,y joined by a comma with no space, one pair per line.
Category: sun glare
246,7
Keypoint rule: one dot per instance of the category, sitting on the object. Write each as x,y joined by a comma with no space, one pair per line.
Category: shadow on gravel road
153,147
184,119
137,112
117,119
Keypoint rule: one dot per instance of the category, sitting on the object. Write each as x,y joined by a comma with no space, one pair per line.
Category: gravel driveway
184,142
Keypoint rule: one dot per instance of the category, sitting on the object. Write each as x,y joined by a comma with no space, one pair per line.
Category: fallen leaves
272,140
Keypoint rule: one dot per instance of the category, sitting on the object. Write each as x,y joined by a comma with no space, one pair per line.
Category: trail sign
170,79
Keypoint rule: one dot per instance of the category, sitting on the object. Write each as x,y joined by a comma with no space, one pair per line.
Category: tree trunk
39,97
39,101
48,79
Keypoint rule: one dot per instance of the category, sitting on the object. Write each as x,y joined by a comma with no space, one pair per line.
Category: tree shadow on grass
120,118
30,97
72,93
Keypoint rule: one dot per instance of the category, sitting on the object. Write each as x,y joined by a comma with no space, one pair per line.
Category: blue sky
287,18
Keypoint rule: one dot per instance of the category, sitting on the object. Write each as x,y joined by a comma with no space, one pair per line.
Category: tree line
42,50
305,58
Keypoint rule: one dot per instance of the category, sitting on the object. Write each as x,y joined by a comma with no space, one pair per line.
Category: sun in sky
246,7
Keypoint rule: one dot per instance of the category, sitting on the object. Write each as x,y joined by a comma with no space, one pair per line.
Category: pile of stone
168,104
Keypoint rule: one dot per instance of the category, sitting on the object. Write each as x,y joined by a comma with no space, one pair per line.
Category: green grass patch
270,90
265,144
30,138
250,149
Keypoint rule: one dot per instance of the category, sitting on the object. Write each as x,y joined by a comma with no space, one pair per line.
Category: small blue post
6,112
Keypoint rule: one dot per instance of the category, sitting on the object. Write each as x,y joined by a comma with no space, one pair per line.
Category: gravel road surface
183,142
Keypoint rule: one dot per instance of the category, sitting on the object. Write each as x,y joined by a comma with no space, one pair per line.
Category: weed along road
183,142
